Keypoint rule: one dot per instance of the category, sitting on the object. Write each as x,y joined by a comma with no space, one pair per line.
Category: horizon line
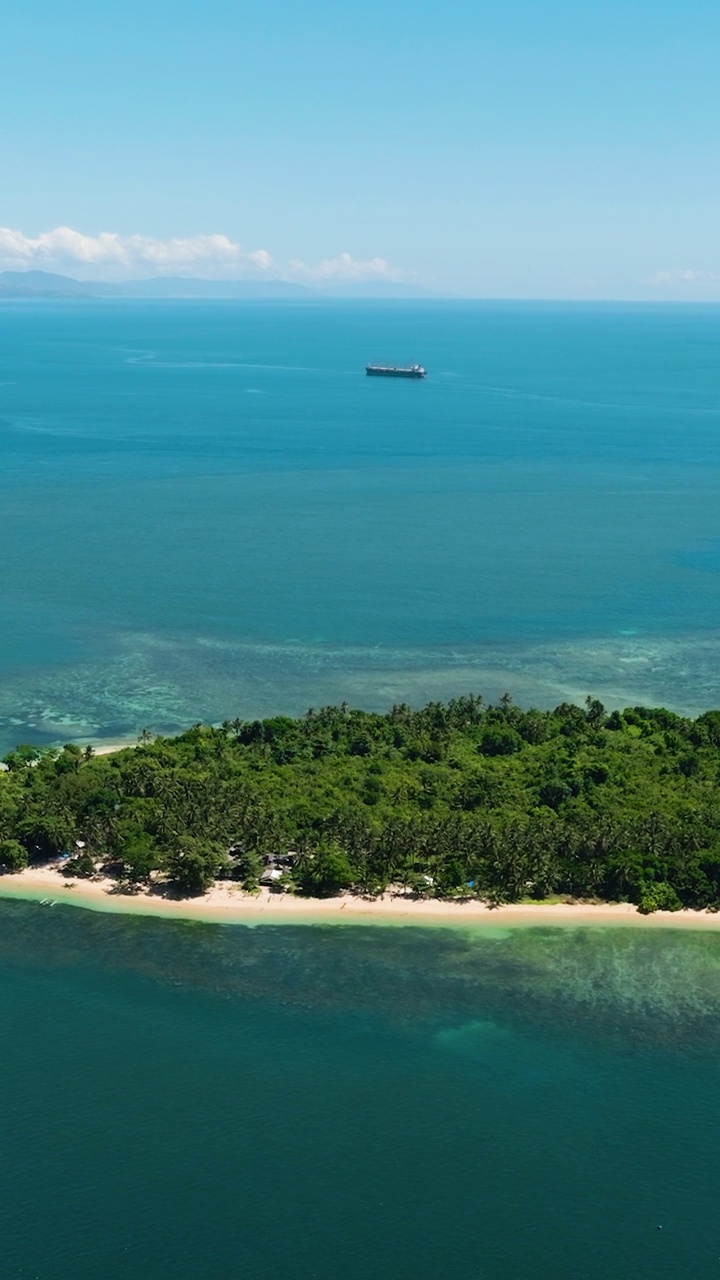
360,291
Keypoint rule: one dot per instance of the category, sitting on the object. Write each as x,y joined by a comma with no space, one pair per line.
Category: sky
523,149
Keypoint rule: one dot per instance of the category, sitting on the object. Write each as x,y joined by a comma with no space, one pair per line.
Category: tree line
454,800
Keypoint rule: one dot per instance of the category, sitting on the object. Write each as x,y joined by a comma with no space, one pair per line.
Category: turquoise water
197,1100
206,509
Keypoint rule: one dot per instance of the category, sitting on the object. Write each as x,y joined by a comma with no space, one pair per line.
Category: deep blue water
196,1100
207,510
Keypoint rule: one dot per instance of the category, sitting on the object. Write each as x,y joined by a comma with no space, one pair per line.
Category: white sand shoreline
227,903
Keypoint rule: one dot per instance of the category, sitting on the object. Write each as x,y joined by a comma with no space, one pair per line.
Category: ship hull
377,371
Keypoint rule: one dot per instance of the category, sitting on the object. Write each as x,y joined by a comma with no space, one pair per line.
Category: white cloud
112,256
684,276
346,268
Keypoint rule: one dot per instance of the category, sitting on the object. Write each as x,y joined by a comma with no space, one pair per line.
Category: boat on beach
395,371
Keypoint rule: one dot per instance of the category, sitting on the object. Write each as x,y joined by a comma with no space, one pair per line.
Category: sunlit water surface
184,1100
207,510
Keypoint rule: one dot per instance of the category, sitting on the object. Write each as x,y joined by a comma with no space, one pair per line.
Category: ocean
208,511
185,1100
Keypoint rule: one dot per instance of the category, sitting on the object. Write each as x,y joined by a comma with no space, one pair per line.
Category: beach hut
271,875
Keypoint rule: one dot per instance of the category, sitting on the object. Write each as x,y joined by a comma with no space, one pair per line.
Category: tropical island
455,802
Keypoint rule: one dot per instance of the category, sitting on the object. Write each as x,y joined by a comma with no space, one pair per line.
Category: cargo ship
395,371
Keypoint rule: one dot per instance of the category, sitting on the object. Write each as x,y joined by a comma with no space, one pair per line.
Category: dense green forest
453,800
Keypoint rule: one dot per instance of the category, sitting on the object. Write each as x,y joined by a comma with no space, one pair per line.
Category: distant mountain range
46,284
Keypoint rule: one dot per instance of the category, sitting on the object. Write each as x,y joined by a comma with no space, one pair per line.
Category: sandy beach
227,903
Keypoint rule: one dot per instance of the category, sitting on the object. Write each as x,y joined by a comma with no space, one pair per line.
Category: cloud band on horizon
215,256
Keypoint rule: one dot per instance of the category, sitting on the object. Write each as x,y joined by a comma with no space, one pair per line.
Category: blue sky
547,149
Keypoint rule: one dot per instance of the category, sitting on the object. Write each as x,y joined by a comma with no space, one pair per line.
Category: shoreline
102,747
227,903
